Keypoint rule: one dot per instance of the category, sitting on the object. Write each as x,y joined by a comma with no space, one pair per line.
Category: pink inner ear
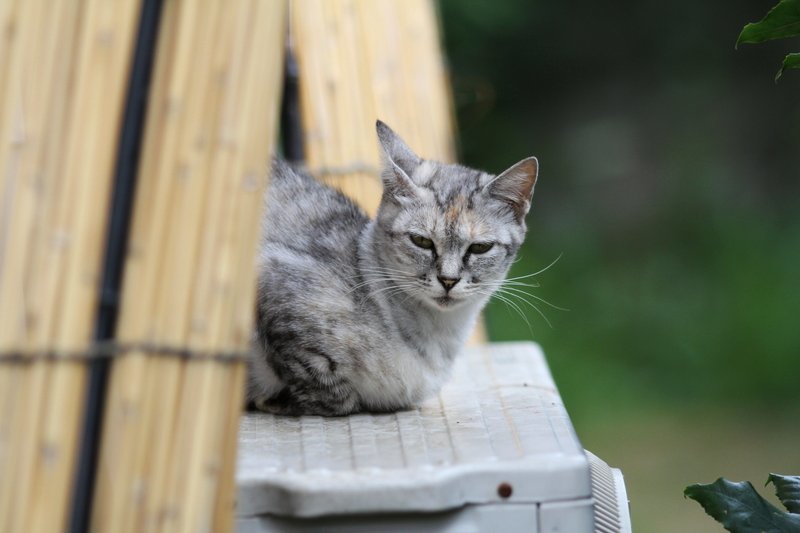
396,149
516,184
395,180
528,170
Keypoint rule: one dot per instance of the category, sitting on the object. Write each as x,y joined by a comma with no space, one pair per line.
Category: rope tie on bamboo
112,349
356,167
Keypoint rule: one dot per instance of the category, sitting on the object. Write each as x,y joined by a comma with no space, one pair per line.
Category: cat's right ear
399,162
515,185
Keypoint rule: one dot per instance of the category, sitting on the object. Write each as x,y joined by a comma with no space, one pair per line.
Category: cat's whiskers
392,289
505,287
528,302
511,294
535,297
511,291
545,269
409,294
369,281
390,274
512,305
363,272
370,276
519,283
406,285
384,270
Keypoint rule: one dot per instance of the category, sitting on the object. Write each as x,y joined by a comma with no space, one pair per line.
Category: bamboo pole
360,60
168,448
65,66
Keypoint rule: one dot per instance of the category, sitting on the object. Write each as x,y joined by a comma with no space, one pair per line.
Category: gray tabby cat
367,315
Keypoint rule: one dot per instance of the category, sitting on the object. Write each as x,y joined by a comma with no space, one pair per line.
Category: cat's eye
480,247
422,242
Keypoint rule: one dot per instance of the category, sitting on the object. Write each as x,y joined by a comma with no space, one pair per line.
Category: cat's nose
448,283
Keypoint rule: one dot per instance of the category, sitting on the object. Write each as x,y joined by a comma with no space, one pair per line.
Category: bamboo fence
170,429
175,386
360,60
64,68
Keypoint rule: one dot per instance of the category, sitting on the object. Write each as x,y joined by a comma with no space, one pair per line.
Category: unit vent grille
606,494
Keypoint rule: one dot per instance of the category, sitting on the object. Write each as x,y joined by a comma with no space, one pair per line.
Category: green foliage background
670,182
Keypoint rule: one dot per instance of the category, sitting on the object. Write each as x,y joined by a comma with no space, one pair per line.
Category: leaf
790,61
740,509
783,20
787,488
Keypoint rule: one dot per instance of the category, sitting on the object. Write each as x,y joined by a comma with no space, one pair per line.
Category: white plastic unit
495,451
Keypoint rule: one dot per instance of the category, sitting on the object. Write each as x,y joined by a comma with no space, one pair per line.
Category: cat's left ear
515,185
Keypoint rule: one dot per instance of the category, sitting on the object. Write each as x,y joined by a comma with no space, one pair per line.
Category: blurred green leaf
740,509
782,21
790,61
787,488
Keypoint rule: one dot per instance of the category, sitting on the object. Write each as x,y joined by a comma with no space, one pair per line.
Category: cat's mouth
445,302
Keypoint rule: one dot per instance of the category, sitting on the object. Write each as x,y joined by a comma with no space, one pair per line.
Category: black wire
116,242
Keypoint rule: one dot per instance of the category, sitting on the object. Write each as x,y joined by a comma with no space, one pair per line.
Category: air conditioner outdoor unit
495,451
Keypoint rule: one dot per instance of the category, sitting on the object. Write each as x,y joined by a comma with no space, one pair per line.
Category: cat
357,314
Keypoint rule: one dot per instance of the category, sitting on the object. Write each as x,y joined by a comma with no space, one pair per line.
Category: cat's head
449,233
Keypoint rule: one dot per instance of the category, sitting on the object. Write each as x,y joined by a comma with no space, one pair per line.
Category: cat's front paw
275,405
290,403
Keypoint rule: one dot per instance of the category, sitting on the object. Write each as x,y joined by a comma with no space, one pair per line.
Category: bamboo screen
171,424
64,70
175,386
186,316
360,60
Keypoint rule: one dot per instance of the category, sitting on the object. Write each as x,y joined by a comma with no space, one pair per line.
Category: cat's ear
396,149
399,162
515,185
